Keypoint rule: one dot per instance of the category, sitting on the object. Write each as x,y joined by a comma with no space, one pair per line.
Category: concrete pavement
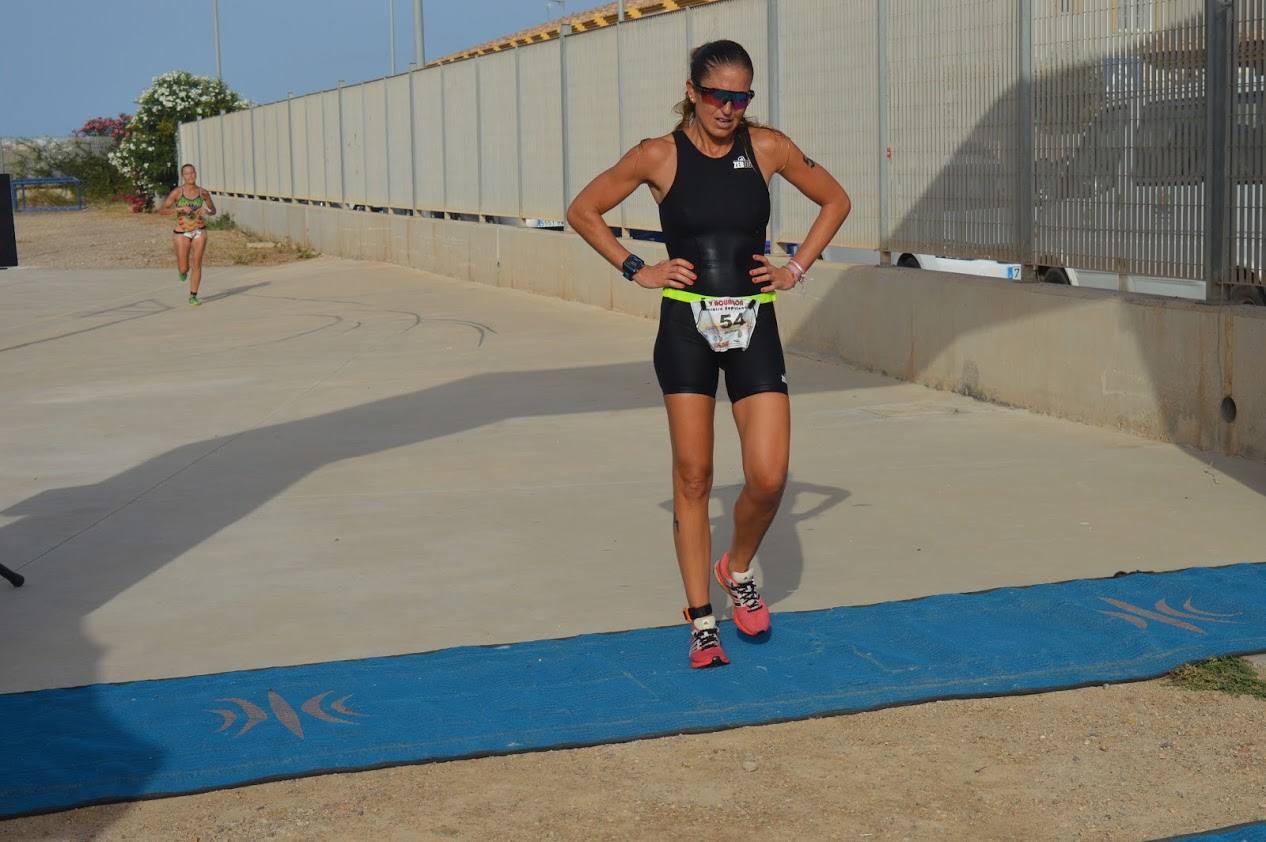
334,459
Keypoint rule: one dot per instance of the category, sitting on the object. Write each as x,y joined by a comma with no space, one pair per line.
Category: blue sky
64,61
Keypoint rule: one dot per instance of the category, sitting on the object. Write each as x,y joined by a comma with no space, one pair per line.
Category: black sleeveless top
715,215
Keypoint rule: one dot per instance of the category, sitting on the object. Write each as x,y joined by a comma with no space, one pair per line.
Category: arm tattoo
809,162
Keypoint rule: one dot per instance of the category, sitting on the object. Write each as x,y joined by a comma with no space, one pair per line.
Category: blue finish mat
1255,832
118,742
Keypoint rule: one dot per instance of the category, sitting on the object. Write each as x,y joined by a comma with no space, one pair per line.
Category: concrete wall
1155,367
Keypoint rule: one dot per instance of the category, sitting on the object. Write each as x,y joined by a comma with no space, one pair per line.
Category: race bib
727,323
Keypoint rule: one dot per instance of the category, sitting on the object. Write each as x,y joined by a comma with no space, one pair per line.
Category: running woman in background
711,178
192,205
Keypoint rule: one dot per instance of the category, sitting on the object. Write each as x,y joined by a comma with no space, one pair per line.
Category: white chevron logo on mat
1165,614
285,714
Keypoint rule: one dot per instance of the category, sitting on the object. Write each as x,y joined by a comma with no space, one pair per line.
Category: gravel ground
111,236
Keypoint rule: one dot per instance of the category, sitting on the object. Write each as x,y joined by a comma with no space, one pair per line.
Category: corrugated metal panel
428,137
284,185
953,78
354,144
541,133
400,158
498,135
656,59
331,150
190,148
1248,145
746,21
828,75
593,109
229,163
264,129
302,188
314,150
375,104
461,137
211,173
238,162
260,136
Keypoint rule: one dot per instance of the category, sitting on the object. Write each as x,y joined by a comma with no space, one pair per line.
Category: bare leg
199,248
690,420
181,244
764,428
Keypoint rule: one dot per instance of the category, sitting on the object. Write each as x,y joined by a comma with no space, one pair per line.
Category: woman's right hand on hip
677,273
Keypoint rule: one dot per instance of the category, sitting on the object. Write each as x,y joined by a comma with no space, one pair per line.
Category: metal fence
20,157
1097,134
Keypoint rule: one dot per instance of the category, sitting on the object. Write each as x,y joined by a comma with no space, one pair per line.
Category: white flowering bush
147,155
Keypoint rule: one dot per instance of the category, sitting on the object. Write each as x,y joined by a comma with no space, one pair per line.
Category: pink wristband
796,269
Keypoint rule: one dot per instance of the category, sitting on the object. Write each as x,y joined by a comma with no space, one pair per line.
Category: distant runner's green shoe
193,299
184,276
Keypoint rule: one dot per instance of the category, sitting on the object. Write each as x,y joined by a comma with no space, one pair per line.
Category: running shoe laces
701,639
745,594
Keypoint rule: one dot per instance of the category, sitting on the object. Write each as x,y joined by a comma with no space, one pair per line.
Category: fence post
564,29
884,169
364,148
619,94
290,138
413,147
1026,158
342,152
479,150
1219,78
775,195
386,130
443,71
518,123
254,184
224,167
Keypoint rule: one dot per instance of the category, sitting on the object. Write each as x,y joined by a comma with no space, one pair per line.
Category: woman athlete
710,178
192,205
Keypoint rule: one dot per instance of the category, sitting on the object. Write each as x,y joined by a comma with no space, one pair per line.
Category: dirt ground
1123,762
1127,762
111,236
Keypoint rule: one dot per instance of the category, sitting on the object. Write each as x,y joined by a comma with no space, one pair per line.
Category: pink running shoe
705,643
750,614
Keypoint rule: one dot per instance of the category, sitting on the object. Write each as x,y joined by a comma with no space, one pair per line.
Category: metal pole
254,185
620,16
342,151
215,28
518,124
419,43
1218,81
391,32
290,139
224,167
443,71
479,152
413,147
1025,140
619,112
775,196
885,160
564,30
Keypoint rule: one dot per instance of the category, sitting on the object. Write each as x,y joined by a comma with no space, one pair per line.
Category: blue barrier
20,186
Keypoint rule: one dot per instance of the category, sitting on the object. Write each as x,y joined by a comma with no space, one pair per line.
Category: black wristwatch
632,265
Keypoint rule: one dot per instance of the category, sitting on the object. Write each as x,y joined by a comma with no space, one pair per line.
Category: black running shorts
685,363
